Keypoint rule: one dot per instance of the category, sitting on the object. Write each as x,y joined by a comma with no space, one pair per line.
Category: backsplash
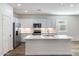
43,30
26,30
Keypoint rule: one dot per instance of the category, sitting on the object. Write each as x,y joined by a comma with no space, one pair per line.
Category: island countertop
47,37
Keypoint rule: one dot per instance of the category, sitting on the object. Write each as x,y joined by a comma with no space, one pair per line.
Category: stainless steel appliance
37,25
37,32
37,29
16,34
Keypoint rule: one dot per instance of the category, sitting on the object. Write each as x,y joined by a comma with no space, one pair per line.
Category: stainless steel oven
37,29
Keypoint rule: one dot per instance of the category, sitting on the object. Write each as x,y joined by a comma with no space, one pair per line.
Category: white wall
72,23
7,28
73,27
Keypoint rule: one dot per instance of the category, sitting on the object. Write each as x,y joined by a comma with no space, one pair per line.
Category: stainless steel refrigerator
16,35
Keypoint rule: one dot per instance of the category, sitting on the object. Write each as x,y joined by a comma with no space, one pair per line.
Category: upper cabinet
43,23
61,25
36,20
46,23
26,23
50,23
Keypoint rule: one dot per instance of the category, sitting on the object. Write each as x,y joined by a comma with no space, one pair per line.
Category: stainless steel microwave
37,25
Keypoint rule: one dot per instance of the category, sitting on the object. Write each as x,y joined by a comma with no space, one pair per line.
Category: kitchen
47,37
46,29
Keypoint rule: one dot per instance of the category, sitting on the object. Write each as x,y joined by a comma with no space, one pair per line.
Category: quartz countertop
47,37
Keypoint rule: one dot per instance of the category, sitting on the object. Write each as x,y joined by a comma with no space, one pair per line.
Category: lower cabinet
1,47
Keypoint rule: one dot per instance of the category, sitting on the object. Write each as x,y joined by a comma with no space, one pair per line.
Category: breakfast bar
58,45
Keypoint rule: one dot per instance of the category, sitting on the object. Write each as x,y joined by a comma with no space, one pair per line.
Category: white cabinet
43,23
29,23
7,34
46,23
36,20
61,25
1,47
50,23
26,23
53,23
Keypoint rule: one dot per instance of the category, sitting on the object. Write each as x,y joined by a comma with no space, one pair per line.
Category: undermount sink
49,35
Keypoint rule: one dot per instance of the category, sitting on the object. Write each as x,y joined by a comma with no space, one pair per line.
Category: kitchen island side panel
48,47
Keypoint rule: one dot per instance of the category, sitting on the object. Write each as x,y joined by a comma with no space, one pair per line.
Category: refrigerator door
16,35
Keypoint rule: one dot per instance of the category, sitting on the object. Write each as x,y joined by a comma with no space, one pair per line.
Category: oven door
37,32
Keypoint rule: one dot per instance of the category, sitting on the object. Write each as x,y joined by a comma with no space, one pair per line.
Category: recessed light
61,3
25,11
18,4
71,5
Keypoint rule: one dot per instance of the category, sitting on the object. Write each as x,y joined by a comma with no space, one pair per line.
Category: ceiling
46,8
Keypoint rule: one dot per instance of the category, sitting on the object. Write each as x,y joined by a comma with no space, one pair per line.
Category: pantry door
1,47
7,38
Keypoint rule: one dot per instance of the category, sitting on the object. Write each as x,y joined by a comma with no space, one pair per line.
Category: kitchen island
48,45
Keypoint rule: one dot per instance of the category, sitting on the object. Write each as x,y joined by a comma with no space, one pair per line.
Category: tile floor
20,50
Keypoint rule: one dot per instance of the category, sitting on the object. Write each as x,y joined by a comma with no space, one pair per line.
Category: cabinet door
36,20
27,23
7,34
61,25
1,50
51,23
43,23
48,23
30,23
